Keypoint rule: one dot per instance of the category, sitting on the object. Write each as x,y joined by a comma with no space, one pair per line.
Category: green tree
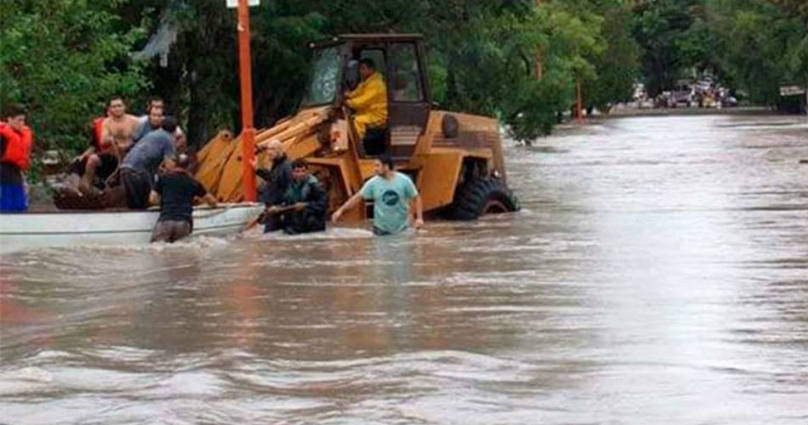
764,47
63,59
202,70
662,30
617,66
480,55
798,8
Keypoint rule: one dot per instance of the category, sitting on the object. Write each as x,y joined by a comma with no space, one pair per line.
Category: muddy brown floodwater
658,274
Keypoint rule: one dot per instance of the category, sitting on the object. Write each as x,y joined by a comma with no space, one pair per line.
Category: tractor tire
480,196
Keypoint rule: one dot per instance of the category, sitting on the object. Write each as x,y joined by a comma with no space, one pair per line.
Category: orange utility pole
247,130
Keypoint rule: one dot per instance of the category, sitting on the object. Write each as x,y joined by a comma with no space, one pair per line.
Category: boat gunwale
222,207
200,230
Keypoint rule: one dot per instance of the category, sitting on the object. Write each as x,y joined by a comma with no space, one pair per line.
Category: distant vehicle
729,102
663,100
639,92
682,95
706,84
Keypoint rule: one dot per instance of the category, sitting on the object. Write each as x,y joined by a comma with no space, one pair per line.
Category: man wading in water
305,203
391,193
278,178
176,190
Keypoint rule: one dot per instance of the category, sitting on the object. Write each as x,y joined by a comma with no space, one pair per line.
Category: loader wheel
480,196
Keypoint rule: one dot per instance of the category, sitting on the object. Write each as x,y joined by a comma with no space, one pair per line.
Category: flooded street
657,274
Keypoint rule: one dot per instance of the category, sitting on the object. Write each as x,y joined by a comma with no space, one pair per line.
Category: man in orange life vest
16,140
89,167
111,138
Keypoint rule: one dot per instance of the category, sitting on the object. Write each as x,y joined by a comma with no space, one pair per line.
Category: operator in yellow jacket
369,100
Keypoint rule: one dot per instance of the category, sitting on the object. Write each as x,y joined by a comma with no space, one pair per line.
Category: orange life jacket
18,146
98,133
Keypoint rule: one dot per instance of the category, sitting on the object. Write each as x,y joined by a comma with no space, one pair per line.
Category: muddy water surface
657,274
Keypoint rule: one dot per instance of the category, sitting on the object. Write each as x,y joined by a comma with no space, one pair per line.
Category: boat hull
20,232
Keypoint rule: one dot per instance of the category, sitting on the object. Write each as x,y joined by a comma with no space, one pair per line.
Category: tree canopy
64,58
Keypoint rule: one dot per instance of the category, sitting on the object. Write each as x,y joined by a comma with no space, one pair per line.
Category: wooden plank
216,155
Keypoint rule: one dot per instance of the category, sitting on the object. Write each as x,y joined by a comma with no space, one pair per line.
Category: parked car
682,95
729,102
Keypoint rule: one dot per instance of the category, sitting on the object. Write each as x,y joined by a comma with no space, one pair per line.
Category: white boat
25,231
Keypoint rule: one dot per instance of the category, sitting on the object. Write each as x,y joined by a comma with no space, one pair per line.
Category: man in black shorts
102,166
176,190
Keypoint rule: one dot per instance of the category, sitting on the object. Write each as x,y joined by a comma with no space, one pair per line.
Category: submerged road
658,274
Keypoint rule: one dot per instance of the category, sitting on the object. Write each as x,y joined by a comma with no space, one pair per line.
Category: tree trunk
198,113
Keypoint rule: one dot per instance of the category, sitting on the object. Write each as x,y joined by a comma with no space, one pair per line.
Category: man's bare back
119,130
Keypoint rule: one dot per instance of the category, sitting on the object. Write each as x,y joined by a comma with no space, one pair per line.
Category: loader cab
400,59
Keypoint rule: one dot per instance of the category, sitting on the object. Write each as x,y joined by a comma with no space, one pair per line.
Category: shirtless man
101,160
118,128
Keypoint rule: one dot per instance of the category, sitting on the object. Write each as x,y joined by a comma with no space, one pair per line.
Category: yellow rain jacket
369,100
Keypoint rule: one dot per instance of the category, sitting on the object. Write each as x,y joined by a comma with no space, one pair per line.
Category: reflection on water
658,274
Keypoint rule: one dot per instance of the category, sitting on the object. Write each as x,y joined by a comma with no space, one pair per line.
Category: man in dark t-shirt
176,190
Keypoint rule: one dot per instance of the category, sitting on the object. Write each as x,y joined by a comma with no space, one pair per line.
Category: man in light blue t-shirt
391,193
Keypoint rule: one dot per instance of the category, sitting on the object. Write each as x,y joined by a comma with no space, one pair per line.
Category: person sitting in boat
152,121
118,128
140,165
149,123
91,169
154,101
175,191
16,141
369,99
277,178
79,165
304,204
